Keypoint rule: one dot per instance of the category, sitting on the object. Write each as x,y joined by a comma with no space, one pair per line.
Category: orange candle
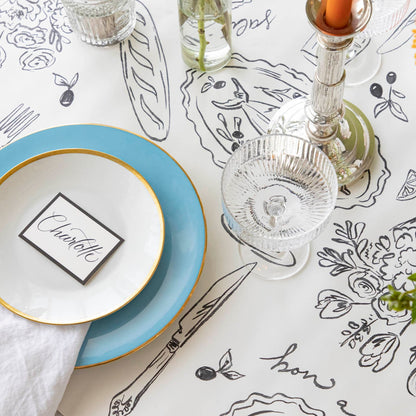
337,13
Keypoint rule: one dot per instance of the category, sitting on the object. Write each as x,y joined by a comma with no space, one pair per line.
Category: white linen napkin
36,362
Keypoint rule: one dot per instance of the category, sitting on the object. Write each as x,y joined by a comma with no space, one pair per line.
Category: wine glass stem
277,265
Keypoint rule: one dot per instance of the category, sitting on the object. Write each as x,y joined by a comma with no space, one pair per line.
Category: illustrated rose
364,284
25,37
37,59
21,12
382,310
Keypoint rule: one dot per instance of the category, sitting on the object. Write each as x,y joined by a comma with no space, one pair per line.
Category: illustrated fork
16,121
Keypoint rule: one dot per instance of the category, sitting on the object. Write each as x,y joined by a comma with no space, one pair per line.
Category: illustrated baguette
146,76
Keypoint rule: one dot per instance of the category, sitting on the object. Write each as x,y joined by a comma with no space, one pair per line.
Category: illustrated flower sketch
36,27
370,267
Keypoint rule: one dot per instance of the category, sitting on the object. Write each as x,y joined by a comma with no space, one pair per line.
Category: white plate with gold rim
112,192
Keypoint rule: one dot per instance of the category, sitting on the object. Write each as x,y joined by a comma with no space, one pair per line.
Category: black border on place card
83,282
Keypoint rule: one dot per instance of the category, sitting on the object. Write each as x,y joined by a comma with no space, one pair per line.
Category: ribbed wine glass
278,192
386,15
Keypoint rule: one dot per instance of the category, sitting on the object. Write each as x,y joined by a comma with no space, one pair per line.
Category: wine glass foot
363,67
351,152
277,267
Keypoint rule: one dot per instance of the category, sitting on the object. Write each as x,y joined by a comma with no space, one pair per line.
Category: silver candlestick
338,127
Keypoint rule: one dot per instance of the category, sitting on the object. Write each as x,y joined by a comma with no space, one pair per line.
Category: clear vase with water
205,28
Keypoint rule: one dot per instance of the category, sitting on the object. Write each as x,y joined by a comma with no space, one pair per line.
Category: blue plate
165,295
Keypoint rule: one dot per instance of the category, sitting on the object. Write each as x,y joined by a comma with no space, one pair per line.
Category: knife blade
400,36
123,403
209,303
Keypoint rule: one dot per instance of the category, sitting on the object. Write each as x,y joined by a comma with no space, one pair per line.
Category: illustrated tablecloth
320,343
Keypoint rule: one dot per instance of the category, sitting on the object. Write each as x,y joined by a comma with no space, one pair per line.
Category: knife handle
123,403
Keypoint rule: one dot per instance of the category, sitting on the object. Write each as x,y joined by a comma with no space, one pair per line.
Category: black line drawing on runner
400,36
225,363
124,402
342,405
395,108
369,267
281,364
365,191
38,28
15,122
238,3
408,189
67,96
236,104
279,403
245,24
146,76
230,107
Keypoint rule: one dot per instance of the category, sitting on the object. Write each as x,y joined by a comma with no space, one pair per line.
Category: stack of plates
138,191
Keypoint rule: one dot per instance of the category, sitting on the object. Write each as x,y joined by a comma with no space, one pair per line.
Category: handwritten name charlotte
75,239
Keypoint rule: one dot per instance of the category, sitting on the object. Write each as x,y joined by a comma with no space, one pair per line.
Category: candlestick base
351,151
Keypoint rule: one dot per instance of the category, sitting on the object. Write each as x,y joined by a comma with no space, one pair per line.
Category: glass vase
205,29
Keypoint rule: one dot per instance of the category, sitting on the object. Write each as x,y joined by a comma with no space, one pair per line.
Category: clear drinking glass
278,192
386,16
101,22
205,27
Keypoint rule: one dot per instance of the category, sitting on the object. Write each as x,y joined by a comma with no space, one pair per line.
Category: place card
71,238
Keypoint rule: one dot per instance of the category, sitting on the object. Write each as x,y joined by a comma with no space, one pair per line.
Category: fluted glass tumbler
278,192
101,22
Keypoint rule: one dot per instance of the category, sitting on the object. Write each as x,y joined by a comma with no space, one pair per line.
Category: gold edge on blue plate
199,272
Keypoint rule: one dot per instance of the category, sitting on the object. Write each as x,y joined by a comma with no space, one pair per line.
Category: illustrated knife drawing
125,401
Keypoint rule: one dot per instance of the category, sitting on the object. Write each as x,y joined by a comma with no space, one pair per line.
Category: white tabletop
319,343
